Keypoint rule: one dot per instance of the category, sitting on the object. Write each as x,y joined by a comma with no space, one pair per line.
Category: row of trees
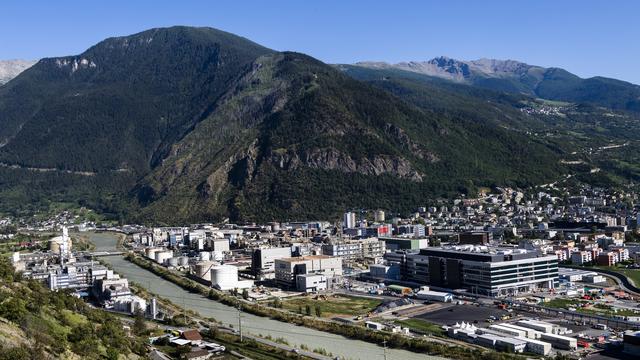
354,332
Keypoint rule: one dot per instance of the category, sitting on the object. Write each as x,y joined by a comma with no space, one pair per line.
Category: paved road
619,278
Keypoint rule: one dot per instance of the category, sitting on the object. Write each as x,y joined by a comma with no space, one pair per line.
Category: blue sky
585,37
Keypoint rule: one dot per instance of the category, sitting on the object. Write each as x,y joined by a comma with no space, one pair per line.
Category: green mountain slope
120,104
191,124
327,142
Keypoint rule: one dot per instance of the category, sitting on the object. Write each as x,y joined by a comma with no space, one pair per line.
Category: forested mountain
520,78
191,124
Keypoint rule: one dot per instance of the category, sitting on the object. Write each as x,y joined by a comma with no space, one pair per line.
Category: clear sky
585,37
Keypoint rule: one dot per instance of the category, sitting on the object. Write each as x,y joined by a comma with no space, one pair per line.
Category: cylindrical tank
151,252
173,262
162,256
204,256
54,246
203,268
183,261
56,243
224,277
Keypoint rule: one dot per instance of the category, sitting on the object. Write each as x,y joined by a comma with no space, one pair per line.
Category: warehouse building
561,342
536,346
541,326
529,333
485,271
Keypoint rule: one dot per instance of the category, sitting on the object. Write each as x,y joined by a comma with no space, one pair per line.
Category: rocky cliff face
12,68
333,159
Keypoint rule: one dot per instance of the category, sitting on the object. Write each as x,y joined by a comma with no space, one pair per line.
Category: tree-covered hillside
192,124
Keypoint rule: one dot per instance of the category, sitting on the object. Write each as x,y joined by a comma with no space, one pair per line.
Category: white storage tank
224,277
183,261
203,269
163,256
173,262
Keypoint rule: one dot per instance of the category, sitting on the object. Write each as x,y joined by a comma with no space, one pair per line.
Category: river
295,335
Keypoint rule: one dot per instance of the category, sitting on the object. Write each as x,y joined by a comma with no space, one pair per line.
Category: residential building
581,257
607,259
475,238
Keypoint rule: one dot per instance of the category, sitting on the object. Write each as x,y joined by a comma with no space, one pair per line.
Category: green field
633,275
333,305
597,309
422,326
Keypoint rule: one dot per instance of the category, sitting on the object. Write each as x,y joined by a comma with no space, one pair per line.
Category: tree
245,294
213,331
112,354
308,310
139,324
13,309
318,311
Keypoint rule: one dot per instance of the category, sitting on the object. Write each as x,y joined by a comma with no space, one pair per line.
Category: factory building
263,261
351,250
286,270
482,270
311,283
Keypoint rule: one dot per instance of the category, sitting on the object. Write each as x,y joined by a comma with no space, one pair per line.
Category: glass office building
483,271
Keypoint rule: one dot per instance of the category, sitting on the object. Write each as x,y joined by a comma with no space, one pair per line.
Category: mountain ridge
518,77
184,124
11,68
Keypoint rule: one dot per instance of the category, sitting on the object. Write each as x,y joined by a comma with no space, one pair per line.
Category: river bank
299,336
349,331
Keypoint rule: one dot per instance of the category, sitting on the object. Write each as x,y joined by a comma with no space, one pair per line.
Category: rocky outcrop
405,141
12,68
333,159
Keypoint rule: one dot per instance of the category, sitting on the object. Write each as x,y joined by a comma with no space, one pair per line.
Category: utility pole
184,310
384,348
240,321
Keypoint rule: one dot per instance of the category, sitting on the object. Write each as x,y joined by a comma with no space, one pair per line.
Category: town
528,273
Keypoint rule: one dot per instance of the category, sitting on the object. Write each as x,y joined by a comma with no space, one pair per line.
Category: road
621,280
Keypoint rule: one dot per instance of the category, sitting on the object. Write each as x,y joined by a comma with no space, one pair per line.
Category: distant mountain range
193,124
517,77
11,68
